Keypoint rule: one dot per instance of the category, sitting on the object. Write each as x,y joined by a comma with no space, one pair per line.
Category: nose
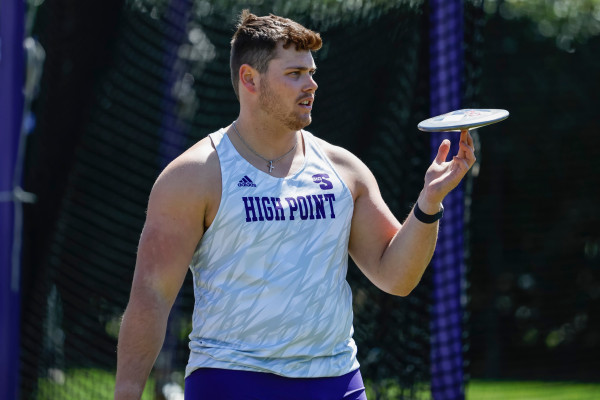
311,86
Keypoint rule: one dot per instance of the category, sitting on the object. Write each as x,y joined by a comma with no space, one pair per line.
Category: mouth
306,103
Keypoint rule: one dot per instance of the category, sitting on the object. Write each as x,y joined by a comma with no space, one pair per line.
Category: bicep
174,226
373,225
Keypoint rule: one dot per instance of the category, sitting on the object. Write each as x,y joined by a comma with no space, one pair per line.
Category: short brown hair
255,41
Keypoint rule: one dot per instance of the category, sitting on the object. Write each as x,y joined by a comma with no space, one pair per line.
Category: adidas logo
245,181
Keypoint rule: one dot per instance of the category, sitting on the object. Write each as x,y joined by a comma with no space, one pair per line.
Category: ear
248,78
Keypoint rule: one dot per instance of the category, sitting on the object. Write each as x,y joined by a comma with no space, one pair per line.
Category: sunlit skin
271,109
287,90
186,196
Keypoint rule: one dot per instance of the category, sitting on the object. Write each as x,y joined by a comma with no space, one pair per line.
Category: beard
273,105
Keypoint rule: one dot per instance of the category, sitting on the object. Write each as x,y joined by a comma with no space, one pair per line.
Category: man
265,215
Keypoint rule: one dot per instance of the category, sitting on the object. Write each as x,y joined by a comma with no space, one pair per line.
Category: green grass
532,390
80,384
499,390
97,384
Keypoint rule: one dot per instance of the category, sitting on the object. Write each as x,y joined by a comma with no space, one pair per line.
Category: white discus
463,119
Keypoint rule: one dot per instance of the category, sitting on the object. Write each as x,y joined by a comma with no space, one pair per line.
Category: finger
463,135
443,151
467,153
466,165
469,139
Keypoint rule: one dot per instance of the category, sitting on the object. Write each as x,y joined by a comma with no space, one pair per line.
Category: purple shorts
224,384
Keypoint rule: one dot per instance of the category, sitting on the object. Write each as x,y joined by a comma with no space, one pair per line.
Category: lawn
86,384
532,390
503,390
83,384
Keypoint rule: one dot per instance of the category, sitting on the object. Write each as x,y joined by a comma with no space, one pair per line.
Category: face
287,88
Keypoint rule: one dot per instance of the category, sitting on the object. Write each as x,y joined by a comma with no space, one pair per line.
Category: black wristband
427,218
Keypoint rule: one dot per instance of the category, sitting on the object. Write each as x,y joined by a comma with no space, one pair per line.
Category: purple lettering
319,206
279,215
303,207
268,209
310,206
249,209
293,206
330,197
324,183
260,215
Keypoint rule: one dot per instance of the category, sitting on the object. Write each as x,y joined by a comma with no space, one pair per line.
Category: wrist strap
427,218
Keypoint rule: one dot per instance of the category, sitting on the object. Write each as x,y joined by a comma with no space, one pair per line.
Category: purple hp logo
322,179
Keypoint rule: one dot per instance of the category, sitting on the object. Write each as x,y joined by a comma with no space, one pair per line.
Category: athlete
265,215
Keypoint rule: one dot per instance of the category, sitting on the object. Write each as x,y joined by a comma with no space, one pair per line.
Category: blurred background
114,90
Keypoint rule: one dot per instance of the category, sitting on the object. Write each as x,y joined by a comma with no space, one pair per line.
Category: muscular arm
394,256
175,222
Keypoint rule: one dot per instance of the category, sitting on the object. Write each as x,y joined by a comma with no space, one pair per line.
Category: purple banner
12,19
446,55
172,143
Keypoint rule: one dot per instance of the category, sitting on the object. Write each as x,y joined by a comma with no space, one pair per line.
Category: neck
270,140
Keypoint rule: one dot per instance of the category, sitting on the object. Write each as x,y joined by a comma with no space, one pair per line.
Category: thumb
443,151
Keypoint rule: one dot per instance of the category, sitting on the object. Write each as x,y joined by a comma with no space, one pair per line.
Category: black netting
536,286
128,87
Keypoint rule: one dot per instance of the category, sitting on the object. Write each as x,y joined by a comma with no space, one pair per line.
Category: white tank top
270,272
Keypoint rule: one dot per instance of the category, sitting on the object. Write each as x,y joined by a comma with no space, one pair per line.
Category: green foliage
326,11
567,21
535,279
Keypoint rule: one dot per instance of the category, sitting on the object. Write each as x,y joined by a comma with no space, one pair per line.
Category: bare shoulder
194,170
178,210
191,182
353,171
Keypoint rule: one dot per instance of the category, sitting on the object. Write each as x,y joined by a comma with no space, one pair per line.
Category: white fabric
270,272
